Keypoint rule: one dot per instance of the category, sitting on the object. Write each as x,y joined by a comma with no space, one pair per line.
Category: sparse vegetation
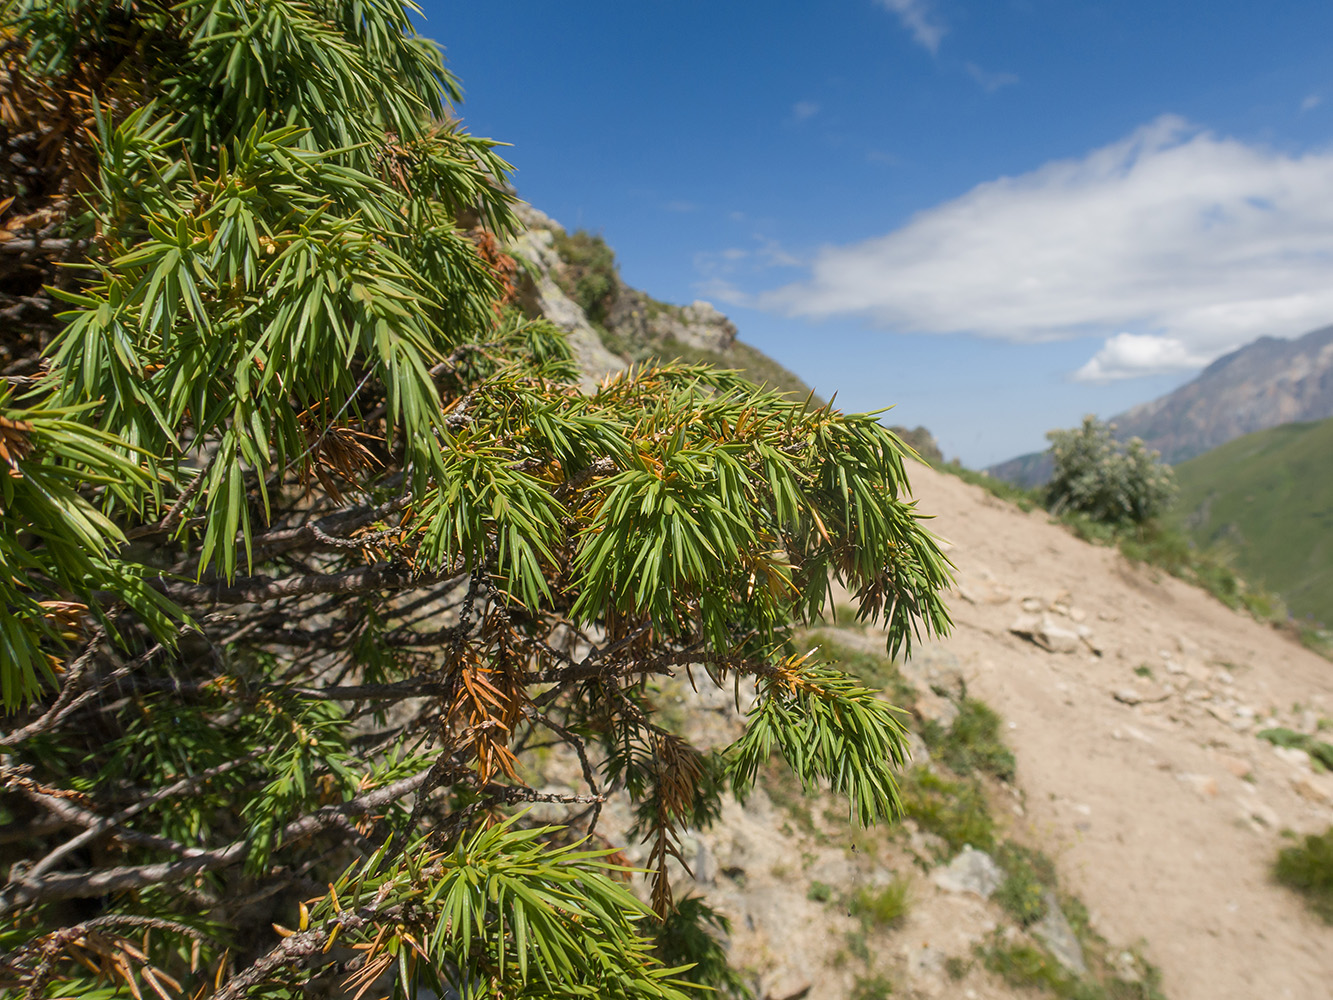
871,988
819,892
1028,876
1024,499
955,811
972,741
882,908
1321,753
590,276
1308,868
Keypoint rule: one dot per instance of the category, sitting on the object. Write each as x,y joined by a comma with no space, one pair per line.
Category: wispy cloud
802,110
681,206
921,20
990,82
1311,102
1175,244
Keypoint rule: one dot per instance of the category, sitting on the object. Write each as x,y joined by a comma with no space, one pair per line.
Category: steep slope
1132,703
1263,384
1268,498
573,281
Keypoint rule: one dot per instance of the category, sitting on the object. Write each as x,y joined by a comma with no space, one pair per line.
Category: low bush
1110,482
1308,868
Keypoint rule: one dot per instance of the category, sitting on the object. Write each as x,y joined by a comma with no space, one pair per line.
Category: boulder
971,871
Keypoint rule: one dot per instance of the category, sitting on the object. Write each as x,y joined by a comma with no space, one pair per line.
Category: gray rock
1043,632
972,871
1059,937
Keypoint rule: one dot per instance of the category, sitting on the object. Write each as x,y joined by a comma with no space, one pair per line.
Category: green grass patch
955,811
1308,869
883,908
819,892
972,742
1028,875
1266,497
1321,753
871,988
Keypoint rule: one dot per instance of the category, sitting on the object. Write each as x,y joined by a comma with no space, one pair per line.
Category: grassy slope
1268,498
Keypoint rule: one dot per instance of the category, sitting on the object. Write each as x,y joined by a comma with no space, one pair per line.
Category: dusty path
1164,815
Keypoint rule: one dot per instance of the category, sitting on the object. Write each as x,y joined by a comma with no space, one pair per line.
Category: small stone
1311,790
1078,615
1240,768
1033,605
1258,812
972,871
1128,696
1203,784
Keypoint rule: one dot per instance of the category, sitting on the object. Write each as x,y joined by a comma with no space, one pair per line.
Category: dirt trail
1164,815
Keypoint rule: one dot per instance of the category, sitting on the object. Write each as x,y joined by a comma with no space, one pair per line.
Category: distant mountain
1263,384
1268,498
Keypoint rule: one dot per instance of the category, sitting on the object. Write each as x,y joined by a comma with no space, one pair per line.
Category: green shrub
884,907
819,892
1112,483
1308,868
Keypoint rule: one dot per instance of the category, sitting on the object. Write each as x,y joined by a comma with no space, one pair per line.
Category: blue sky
997,215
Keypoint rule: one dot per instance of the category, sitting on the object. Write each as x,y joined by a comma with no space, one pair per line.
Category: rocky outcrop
540,294
616,325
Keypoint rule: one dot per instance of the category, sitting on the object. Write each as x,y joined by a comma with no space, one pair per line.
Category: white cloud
1172,233
681,206
1311,102
918,18
802,110
1129,354
990,82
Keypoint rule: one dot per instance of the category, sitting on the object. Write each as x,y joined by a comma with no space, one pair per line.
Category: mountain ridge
1266,383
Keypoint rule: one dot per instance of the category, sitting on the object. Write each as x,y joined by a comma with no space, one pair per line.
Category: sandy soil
1165,815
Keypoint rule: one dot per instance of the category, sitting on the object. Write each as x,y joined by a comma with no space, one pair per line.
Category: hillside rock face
638,318
540,294
630,326
1262,385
